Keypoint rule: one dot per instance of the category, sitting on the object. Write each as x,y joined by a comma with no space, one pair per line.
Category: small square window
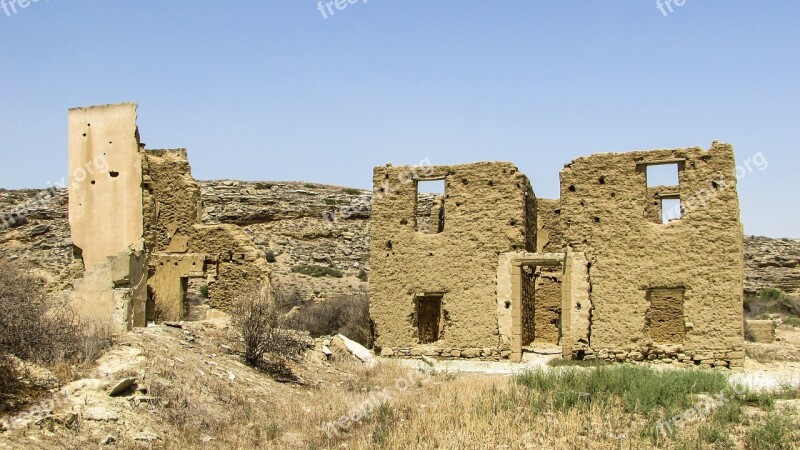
663,175
671,209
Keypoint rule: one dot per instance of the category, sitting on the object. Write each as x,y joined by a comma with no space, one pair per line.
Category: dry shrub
771,301
33,326
38,328
345,314
8,377
268,342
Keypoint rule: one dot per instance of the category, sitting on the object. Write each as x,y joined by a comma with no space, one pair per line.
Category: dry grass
41,329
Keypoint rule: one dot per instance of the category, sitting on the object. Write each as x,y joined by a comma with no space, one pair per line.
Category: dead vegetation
36,328
343,314
267,338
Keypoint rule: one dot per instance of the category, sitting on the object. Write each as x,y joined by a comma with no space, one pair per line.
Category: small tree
263,329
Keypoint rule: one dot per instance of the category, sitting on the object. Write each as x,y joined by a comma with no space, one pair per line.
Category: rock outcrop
298,224
771,263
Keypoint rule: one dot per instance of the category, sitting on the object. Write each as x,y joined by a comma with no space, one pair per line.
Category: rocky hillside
772,263
297,225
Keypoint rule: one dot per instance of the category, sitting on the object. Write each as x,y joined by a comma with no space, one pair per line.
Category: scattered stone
121,387
108,440
357,350
99,414
146,435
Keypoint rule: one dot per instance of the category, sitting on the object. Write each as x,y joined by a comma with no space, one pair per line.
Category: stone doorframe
575,299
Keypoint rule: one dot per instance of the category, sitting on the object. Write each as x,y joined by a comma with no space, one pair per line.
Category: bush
351,191
271,258
204,291
346,314
264,331
8,376
287,298
317,271
363,275
262,186
33,326
771,301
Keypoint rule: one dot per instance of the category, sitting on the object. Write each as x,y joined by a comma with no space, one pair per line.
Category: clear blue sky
271,90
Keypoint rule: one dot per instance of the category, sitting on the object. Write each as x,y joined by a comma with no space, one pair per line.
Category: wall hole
430,207
671,209
662,175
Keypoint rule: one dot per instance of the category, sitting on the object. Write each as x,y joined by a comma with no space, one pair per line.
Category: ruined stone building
623,266
134,216
620,267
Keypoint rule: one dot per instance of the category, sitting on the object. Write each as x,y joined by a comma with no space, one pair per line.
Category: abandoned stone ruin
607,271
617,268
137,226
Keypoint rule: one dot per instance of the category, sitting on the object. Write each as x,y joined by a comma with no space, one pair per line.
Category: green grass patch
350,191
317,271
577,363
262,186
639,389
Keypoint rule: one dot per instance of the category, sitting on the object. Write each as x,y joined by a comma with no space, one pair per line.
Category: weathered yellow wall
486,214
105,215
105,212
605,212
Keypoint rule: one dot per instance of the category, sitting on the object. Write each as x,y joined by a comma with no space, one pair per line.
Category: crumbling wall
486,214
105,176
181,247
546,326
607,213
547,296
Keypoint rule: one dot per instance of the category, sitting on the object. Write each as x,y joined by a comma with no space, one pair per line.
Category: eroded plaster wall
182,247
105,215
105,181
487,208
607,212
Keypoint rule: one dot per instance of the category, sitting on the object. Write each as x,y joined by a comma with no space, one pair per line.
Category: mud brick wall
487,212
182,247
605,212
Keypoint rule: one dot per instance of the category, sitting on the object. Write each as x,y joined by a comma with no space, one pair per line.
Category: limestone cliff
301,224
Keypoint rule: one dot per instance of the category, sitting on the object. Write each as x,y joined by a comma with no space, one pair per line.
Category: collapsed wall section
182,249
642,253
487,209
